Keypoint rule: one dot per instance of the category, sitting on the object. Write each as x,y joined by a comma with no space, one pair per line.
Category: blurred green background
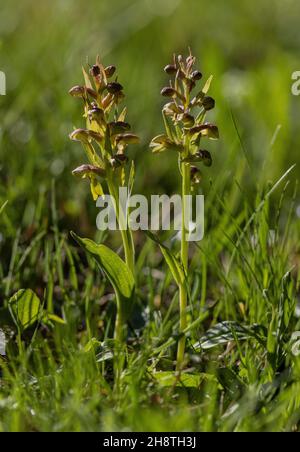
251,48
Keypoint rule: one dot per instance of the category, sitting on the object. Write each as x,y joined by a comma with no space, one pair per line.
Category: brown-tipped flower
187,119
96,136
114,87
127,138
168,91
95,70
161,139
195,175
77,91
118,160
196,75
208,103
80,135
162,143
92,92
105,126
171,108
205,130
205,157
87,170
170,69
118,127
96,114
109,71
200,156
183,125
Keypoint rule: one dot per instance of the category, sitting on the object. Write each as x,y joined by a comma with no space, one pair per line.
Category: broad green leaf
229,331
116,271
187,380
25,308
172,261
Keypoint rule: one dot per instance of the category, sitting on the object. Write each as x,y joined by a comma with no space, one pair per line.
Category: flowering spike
106,135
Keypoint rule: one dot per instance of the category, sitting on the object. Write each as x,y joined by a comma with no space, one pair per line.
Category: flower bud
171,108
86,170
196,75
170,69
114,87
208,103
95,70
80,135
205,157
96,114
121,158
127,138
162,143
211,131
187,119
118,160
206,130
118,127
195,175
109,71
77,91
161,139
168,91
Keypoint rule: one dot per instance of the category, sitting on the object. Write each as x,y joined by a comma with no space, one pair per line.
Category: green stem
183,296
126,234
128,246
119,336
20,343
119,326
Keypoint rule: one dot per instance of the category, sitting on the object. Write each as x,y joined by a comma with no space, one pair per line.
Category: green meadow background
251,48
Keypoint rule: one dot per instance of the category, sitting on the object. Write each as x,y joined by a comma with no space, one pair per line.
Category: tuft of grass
241,373
63,380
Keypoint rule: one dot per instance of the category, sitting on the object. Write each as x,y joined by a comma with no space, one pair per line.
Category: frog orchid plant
105,140
185,128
